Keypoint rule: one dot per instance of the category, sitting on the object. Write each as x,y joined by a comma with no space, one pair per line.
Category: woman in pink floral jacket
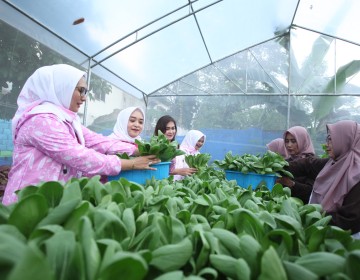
50,144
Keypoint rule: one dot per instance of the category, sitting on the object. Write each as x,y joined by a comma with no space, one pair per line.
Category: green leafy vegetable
269,163
159,146
197,161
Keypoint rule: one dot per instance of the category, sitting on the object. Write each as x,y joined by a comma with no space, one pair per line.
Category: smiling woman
129,124
337,179
50,143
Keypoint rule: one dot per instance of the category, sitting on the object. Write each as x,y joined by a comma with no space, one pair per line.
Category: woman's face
79,96
291,145
329,147
170,131
135,124
200,143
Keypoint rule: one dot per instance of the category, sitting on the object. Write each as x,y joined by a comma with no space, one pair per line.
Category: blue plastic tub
253,179
140,176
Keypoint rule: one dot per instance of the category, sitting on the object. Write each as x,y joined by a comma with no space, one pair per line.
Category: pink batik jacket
47,149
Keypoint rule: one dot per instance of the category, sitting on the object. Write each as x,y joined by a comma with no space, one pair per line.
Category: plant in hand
198,161
159,146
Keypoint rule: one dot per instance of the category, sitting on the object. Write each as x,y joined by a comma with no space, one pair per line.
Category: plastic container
253,179
140,176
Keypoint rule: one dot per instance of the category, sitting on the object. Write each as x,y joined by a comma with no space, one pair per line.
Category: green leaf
125,264
230,240
4,213
268,219
271,266
12,245
178,230
28,213
90,251
281,237
142,221
172,256
52,191
352,264
129,221
184,216
60,254
295,272
59,214
251,250
231,267
173,275
94,190
72,191
248,222
108,225
322,263
32,265
208,273
25,192
72,222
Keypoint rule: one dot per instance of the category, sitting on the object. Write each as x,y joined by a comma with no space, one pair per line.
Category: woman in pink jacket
50,144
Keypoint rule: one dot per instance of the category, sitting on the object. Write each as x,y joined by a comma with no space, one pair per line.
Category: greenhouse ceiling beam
271,79
229,79
138,29
258,94
201,34
326,34
148,35
209,64
47,29
116,75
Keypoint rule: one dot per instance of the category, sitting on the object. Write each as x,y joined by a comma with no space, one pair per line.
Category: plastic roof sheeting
152,48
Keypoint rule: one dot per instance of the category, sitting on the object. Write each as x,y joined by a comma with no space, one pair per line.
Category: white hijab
189,142
120,129
49,90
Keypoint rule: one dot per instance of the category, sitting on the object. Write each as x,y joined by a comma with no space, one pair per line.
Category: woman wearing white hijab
191,144
129,125
50,144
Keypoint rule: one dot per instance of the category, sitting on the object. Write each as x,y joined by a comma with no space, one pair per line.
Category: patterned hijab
49,90
339,175
120,130
303,140
189,142
278,146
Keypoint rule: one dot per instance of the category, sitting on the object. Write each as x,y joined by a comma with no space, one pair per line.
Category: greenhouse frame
242,73
228,68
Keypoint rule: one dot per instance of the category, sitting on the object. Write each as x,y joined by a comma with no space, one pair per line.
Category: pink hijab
278,146
303,140
189,142
339,176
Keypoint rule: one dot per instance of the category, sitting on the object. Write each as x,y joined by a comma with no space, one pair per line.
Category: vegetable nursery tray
140,176
253,179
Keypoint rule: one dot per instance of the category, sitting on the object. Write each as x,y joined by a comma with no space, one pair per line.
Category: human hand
186,171
145,162
285,181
